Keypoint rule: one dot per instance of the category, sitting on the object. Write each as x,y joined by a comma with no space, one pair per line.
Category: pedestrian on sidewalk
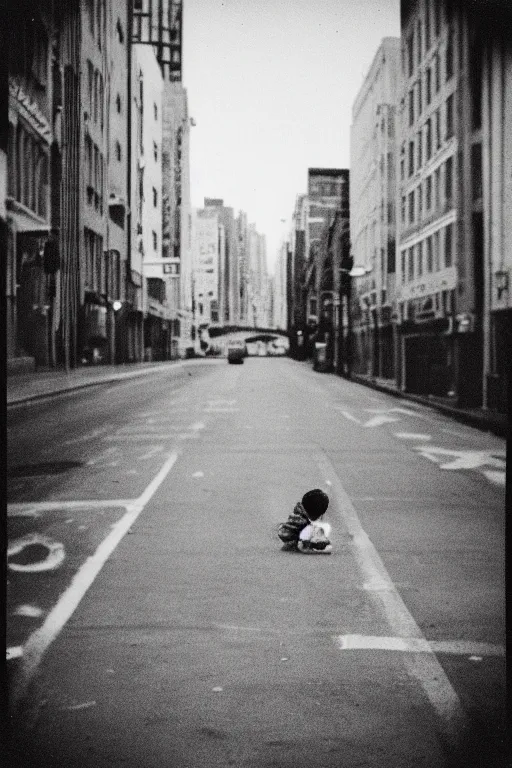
304,531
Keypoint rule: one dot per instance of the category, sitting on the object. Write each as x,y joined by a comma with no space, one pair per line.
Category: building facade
209,244
453,265
373,192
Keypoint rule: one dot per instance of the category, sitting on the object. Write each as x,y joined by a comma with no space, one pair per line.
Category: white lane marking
423,667
378,421
53,559
349,416
31,611
14,652
219,401
13,510
220,410
39,640
154,449
142,436
198,474
460,459
197,426
85,705
496,476
88,436
102,456
417,645
24,511
412,436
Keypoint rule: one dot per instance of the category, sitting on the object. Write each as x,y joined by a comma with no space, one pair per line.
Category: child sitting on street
302,531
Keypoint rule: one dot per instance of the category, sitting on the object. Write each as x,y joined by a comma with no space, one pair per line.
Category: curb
39,397
494,423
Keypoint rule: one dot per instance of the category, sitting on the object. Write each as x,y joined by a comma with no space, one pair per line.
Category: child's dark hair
315,503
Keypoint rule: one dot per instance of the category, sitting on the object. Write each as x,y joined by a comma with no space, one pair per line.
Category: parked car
236,351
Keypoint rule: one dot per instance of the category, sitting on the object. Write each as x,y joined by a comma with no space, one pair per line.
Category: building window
427,26
411,264
428,192
448,180
96,95
429,85
420,202
437,188
476,171
419,42
428,139
420,259
92,15
118,103
404,201
420,97
119,30
438,72
118,151
449,56
411,106
437,252
155,151
155,241
449,116
438,128
430,259
411,207
155,111
90,85
404,256
155,198
99,20
448,246
419,145
411,158
475,81
437,17
410,55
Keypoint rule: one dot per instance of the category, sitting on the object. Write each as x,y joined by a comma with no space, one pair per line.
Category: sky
271,84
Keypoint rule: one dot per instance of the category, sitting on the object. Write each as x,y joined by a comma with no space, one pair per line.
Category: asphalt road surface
155,621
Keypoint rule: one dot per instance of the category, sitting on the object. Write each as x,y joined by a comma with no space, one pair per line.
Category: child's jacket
298,520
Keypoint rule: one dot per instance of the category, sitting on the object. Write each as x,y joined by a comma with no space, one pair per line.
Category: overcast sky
271,84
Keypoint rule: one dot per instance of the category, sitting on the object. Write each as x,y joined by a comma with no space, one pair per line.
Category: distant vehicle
236,351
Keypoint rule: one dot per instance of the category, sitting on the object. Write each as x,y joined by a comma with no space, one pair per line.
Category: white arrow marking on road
197,426
460,459
14,652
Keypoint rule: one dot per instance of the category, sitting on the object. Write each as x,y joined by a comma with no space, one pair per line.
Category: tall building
279,313
117,192
455,166
373,192
31,284
147,251
208,253
243,256
229,268
159,24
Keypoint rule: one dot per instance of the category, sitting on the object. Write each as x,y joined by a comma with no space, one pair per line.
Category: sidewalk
489,421
38,385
